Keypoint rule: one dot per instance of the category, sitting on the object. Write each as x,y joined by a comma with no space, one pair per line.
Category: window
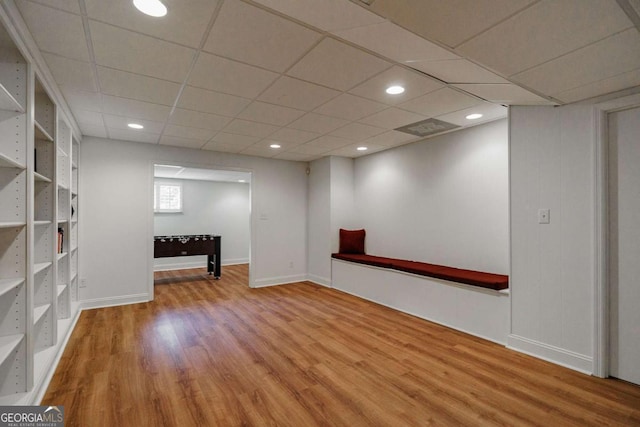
167,197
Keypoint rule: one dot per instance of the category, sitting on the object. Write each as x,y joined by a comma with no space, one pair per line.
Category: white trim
323,281
600,327
280,280
556,355
114,301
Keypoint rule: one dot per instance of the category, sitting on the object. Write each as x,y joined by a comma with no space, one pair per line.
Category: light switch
544,216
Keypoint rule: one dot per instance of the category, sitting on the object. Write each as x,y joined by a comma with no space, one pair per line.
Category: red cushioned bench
496,282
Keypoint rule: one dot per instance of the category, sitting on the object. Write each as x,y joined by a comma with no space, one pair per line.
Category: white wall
209,207
319,221
552,274
442,201
343,210
116,216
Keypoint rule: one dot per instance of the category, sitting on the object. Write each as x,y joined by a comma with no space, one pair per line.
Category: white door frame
601,243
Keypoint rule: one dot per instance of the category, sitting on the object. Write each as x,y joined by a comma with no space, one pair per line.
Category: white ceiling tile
601,87
55,31
394,42
91,118
568,25
328,15
293,136
66,5
71,73
607,58
488,110
224,148
296,157
188,132
318,123
249,34
265,144
142,55
350,107
391,138
135,109
353,152
268,113
448,22
241,141
245,127
442,101
457,71
227,76
81,99
211,102
325,143
259,152
504,94
295,93
392,118
92,130
119,122
181,142
136,86
337,65
309,149
133,135
197,119
185,23
357,131
415,85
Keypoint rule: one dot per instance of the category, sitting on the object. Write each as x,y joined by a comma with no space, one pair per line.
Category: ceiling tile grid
238,75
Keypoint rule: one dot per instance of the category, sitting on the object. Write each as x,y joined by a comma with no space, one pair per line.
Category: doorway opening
201,221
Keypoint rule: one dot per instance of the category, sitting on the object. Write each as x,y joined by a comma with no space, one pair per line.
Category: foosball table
188,245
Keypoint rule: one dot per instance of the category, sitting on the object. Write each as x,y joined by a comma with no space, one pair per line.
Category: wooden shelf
40,178
60,220
37,268
7,284
10,224
39,312
8,344
8,102
41,133
39,223
63,187
6,162
60,289
62,255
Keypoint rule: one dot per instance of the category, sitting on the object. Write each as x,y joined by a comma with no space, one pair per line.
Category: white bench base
476,311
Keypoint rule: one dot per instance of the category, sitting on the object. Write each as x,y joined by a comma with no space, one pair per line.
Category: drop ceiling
238,76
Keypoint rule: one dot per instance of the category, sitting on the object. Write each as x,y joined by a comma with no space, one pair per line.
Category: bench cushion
475,278
376,261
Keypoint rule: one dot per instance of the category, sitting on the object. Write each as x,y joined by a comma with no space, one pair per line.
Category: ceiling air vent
427,127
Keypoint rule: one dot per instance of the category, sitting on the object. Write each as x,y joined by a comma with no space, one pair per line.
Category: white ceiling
309,75
219,175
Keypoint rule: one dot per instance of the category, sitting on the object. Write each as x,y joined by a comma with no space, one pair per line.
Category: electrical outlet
544,216
290,264
83,283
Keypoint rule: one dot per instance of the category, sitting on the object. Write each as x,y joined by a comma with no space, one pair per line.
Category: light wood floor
216,353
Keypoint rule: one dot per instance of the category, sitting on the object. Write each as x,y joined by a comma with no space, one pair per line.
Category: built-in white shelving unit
38,227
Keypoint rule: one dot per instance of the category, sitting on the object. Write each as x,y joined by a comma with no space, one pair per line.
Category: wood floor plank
216,353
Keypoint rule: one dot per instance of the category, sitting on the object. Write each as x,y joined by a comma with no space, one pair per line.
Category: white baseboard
323,281
281,280
559,356
111,302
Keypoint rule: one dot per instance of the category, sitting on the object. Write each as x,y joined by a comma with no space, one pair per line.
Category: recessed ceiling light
241,180
275,146
395,90
362,148
135,126
474,116
153,8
